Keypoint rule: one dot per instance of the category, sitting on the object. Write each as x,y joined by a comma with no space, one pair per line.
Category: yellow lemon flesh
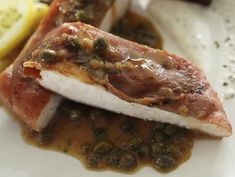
18,19
15,22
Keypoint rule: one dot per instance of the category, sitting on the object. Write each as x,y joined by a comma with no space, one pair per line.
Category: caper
134,143
82,16
113,158
86,148
73,42
158,126
170,129
45,137
103,147
122,159
159,137
47,55
157,149
143,151
164,162
100,44
75,115
173,149
92,160
99,133
127,127
127,161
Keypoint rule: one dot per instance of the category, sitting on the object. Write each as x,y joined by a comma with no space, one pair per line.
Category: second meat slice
31,103
90,66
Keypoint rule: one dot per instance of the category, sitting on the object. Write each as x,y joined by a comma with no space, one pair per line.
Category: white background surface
210,158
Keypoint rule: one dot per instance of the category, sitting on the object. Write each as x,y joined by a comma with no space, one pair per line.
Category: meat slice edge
213,120
31,103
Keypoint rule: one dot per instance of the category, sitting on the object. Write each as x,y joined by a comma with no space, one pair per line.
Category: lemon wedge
16,21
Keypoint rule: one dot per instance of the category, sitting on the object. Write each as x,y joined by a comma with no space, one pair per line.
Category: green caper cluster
106,151
160,145
165,149
88,58
87,53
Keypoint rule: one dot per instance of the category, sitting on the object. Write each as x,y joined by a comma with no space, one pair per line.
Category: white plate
210,158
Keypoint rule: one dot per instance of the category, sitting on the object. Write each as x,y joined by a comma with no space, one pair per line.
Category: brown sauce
104,140
87,11
139,29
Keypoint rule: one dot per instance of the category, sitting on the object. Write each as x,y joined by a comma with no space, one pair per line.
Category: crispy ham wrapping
31,103
128,78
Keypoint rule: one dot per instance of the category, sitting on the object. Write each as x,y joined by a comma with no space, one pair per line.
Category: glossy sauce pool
104,140
139,29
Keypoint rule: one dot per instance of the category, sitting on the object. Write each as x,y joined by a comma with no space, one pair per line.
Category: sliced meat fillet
108,72
31,103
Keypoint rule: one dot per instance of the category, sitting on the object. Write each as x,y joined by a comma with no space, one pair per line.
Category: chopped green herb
225,84
217,45
225,66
